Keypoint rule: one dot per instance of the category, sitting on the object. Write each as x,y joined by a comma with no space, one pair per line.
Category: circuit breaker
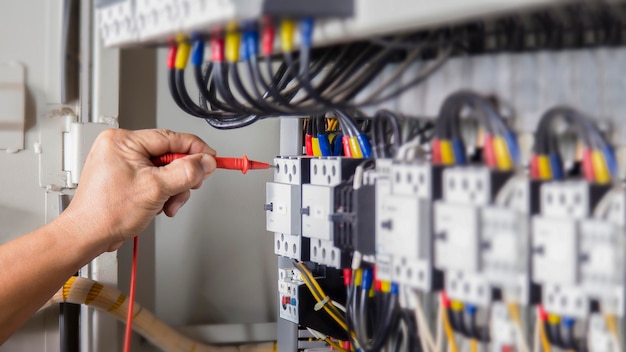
558,236
505,246
458,230
282,207
320,200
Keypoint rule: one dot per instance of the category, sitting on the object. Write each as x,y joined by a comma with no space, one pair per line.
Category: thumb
183,174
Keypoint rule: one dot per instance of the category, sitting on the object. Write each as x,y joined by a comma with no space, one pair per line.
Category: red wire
131,298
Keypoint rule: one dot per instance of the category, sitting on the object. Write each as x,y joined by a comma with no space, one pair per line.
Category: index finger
157,142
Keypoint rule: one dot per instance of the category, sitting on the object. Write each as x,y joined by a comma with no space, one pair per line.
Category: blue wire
511,142
251,43
555,166
322,138
395,288
337,145
611,162
364,143
306,31
459,151
366,280
470,309
197,52
568,322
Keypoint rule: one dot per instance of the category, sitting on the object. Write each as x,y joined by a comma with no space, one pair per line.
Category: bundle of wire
323,301
558,331
372,310
462,318
499,144
351,142
340,74
598,160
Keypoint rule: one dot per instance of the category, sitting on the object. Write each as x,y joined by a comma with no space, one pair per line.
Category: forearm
34,266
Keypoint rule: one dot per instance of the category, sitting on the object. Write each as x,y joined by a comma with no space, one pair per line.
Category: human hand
121,191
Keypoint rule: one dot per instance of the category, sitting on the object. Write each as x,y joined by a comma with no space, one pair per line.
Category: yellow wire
315,143
182,55
287,30
611,325
545,172
335,345
354,147
542,335
600,169
448,329
473,345
503,157
314,287
447,155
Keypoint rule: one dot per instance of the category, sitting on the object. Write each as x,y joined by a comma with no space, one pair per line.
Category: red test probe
243,163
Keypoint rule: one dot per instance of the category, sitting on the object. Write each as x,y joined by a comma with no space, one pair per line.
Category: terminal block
469,288
565,300
130,22
321,202
570,199
404,223
282,206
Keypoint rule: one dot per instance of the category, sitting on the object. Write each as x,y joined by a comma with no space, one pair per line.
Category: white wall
214,260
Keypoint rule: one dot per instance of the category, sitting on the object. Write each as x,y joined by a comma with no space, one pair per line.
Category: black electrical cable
569,340
382,120
259,104
414,342
381,334
174,91
216,120
480,334
210,94
459,319
220,74
277,101
553,333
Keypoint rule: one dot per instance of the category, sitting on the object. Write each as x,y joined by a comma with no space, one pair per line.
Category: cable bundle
307,82
322,141
599,164
372,309
500,148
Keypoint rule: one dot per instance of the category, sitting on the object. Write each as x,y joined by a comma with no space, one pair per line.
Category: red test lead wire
243,164
131,298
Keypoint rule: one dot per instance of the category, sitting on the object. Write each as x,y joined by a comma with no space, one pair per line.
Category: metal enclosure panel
23,202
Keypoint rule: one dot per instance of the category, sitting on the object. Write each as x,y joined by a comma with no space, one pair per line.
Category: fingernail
208,163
